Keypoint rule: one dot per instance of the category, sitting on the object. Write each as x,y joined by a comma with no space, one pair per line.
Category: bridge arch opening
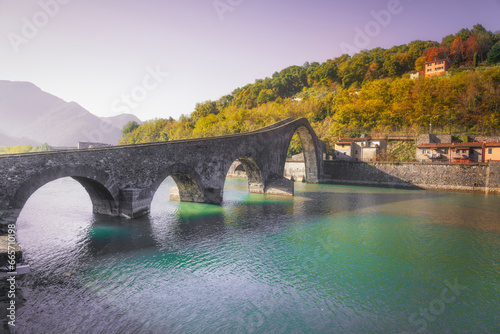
103,202
53,225
178,183
246,166
302,157
186,189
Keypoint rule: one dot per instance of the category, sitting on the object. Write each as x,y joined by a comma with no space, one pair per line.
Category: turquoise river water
332,259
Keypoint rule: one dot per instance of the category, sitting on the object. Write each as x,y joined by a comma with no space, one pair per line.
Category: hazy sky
158,58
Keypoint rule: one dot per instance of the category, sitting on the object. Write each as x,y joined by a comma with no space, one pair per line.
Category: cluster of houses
430,148
360,149
438,150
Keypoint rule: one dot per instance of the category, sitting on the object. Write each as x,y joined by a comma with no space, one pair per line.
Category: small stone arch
188,183
95,183
254,173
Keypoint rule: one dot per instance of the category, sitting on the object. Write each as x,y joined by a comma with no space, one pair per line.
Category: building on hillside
451,152
467,152
434,138
436,67
416,74
359,149
492,152
344,149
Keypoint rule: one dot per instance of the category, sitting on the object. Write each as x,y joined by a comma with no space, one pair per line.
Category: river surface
332,259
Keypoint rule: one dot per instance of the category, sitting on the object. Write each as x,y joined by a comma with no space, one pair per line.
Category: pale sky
159,58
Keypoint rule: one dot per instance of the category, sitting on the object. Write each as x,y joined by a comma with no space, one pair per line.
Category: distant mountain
13,141
120,120
27,111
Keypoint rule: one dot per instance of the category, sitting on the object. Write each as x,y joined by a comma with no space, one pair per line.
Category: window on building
424,151
356,152
445,151
490,150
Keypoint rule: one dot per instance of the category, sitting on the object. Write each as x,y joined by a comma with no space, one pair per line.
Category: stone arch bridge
122,180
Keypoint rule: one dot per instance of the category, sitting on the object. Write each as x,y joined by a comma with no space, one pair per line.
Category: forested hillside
370,91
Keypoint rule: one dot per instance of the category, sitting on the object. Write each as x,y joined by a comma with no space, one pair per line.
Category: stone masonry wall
459,177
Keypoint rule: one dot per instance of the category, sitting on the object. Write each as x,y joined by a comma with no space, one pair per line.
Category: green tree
129,127
204,109
494,54
448,40
463,34
265,96
420,63
45,147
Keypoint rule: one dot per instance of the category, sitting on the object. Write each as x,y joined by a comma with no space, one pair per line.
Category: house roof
352,140
492,144
436,60
451,145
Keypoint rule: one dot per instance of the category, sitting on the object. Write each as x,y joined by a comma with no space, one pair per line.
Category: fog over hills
29,115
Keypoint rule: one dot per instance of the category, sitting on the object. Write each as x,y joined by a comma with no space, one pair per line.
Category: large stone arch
95,182
189,187
312,149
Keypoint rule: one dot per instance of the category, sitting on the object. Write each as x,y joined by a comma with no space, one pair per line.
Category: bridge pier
279,185
210,196
256,188
131,203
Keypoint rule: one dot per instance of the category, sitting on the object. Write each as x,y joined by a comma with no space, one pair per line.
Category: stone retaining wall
458,177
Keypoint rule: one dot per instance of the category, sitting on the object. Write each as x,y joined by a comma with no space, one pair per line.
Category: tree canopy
370,90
